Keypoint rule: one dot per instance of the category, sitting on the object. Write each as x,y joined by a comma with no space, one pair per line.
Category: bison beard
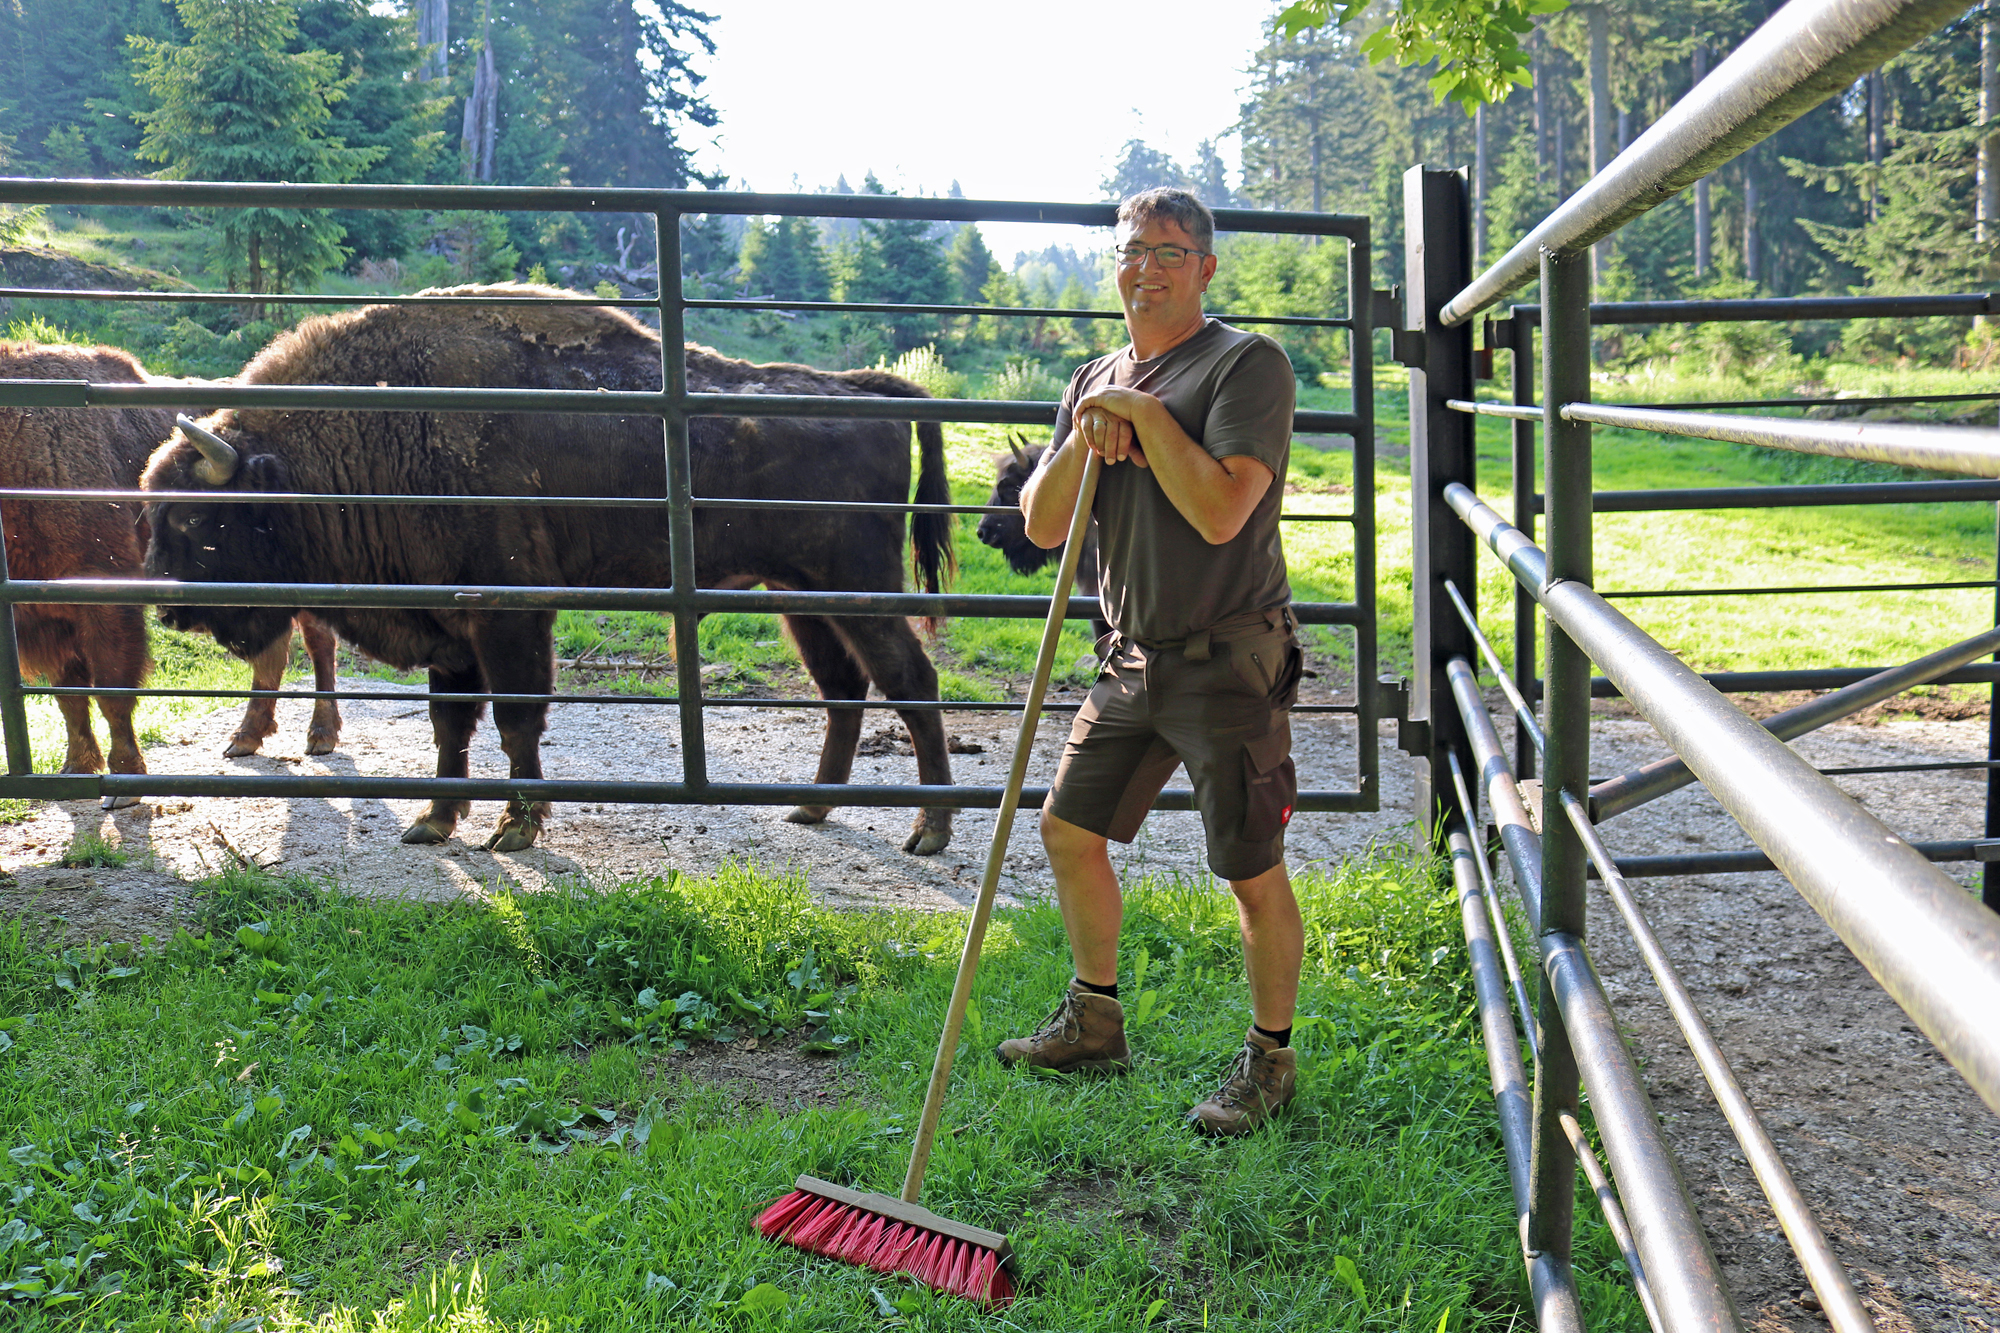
556,347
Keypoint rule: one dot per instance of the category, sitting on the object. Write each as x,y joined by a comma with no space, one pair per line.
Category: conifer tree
972,265
236,105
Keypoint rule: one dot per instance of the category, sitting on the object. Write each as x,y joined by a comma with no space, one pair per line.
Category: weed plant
317,1112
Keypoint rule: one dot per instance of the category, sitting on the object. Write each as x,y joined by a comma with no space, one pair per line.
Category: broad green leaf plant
1476,43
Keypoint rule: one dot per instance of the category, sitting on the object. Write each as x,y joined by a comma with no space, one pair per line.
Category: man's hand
1106,422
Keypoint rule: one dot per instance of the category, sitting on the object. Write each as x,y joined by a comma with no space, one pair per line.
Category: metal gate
675,406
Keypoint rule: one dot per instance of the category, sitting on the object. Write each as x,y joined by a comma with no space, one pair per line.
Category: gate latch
1392,703
1406,346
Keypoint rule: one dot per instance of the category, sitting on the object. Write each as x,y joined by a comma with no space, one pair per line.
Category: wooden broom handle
1003,828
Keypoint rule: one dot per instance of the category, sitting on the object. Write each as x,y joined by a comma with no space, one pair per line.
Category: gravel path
1898,1157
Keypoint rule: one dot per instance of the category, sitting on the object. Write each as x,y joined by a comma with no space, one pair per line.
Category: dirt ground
1897,1156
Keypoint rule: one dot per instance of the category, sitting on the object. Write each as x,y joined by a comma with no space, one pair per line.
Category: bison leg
260,719
452,725
118,659
83,755
893,657
324,733
518,655
838,676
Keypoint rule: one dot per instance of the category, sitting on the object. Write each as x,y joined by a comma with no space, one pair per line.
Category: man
1193,420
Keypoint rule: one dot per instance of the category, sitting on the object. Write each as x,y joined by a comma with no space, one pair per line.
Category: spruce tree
972,265
236,105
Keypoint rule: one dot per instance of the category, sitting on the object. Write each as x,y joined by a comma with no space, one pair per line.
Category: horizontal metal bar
1016,312
1805,678
1795,589
1948,767
314,298
1511,816
1803,54
1935,949
86,786
1515,411
1752,861
1829,1279
707,701
1681,1269
1524,716
1789,497
575,199
1969,449
1785,308
497,501
496,597
1656,779
362,398
1886,400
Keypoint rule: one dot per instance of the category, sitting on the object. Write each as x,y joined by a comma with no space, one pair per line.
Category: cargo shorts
1227,718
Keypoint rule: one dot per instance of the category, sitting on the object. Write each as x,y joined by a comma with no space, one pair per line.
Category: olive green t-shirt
1233,393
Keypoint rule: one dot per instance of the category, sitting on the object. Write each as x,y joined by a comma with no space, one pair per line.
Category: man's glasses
1166,256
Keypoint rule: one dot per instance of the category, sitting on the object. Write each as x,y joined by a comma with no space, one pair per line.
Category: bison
1008,533
74,448
483,453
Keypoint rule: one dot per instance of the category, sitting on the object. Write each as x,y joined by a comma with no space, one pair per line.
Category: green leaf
1153,1312
1344,1269
764,1298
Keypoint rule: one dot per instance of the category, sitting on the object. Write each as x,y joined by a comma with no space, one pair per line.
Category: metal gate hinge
1406,346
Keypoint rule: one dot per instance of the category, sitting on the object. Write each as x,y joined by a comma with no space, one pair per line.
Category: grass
325,1113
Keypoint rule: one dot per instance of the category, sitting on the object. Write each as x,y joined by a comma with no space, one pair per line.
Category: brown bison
102,449
467,453
1008,533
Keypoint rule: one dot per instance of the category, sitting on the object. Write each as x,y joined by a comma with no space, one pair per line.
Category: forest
1874,191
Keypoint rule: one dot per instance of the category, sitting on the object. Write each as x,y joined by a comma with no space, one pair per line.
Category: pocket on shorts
1270,785
1268,665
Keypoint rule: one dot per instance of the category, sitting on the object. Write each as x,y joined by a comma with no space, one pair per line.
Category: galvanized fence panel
682,599
1934,949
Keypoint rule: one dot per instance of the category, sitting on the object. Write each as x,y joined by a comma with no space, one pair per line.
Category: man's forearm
1049,499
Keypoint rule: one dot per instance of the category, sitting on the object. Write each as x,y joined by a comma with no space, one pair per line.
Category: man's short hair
1179,207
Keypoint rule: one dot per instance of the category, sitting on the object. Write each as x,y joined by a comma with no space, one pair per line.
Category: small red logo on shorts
1285,815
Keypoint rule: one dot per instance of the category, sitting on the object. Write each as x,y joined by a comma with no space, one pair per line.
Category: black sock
1095,989
1283,1038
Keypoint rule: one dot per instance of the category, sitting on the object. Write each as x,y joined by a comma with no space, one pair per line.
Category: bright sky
1028,100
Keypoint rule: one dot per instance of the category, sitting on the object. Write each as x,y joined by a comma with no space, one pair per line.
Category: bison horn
1020,454
218,456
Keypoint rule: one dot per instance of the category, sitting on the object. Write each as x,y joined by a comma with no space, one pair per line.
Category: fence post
1361,370
680,485
1437,248
1566,484
1989,874
13,711
1522,371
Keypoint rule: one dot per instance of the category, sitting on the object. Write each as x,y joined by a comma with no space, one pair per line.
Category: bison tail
932,557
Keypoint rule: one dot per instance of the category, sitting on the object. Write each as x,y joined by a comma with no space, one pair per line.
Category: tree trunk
1479,185
481,129
1541,73
433,30
1600,119
1753,259
1988,213
1877,105
1703,223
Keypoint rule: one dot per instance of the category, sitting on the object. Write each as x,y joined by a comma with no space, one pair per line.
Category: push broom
893,1234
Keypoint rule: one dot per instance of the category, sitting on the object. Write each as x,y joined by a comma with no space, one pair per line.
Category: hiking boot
1086,1032
1262,1078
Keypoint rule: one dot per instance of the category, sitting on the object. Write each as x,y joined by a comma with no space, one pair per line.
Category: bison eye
184,523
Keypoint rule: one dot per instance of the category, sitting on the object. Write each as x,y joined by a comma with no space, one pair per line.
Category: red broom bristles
855,1235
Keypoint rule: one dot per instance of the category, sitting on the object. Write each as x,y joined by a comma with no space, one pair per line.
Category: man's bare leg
1274,945
1087,891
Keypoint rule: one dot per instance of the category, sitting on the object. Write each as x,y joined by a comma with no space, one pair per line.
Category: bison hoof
118,802
927,841
808,814
320,743
238,747
424,834
512,837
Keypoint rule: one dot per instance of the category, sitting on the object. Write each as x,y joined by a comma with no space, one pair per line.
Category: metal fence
675,406
1932,946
